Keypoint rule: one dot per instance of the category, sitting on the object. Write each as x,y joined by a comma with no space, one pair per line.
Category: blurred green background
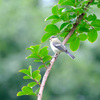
22,25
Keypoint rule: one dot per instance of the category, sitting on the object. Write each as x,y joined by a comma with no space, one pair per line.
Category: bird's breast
55,50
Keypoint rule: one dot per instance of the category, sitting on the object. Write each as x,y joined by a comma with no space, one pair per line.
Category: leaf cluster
39,55
67,14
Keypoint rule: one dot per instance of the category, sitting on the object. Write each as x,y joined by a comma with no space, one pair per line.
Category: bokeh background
22,25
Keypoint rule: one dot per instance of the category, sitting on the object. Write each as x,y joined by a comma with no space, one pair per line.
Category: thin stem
55,56
88,23
35,81
42,62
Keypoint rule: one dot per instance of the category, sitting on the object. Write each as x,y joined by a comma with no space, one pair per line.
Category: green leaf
27,89
98,5
92,17
46,58
83,29
63,25
32,84
74,45
65,16
64,34
37,91
37,60
55,21
52,28
73,36
92,35
61,1
31,94
46,36
60,10
34,48
30,69
96,23
68,2
38,77
55,10
35,73
25,71
26,77
33,55
43,52
52,17
41,67
20,93
82,37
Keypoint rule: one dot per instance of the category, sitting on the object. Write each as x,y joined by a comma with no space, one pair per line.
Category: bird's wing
59,46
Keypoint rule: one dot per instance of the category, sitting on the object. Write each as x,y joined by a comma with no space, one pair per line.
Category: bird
58,47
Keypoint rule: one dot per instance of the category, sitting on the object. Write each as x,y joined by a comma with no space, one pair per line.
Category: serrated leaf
46,58
92,17
96,23
52,28
20,93
38,77
92,35
25,71
35,74
55,10
26,77
43,52
63,25
74,45
46,36
27,89
52,17
82,37
41,67
32,84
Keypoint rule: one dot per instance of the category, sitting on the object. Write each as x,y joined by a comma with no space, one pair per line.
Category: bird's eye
53,37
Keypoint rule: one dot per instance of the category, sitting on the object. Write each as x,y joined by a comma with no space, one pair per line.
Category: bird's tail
70,55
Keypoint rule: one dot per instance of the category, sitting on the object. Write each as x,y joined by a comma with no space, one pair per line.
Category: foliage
67,13
39,55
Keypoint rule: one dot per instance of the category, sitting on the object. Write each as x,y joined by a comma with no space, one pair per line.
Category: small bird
58,47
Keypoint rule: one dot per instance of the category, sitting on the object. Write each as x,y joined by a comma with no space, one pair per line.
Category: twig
42,62
54,59
35,81
88,23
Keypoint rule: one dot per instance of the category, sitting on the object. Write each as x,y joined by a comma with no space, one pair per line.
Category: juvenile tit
58,47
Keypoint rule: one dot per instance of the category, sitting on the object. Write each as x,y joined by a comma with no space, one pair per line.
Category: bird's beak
49,38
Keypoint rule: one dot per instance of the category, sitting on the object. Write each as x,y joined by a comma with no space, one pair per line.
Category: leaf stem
88,23
35,81
42,62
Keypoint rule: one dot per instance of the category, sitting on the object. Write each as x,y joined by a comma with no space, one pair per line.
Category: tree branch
55,56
